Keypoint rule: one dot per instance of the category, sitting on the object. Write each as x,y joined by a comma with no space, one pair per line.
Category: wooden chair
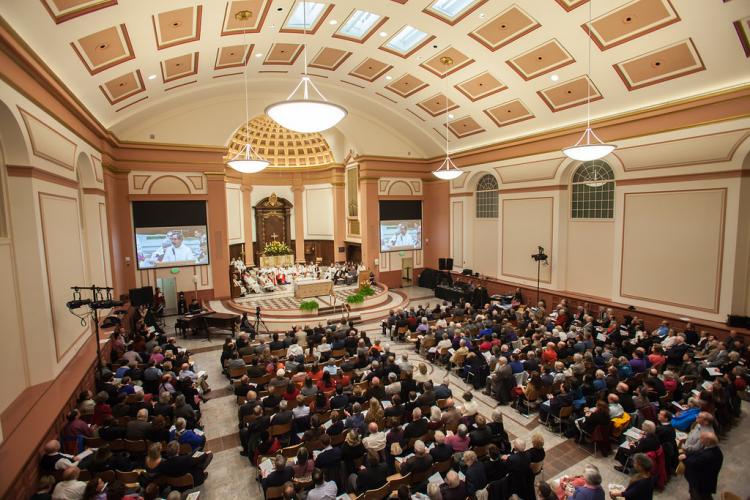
274,492
338,353
136,447
237,372
418,477
291,451
117,445
443,467
564,417
280,429
130,479
186,449
481,451
378,494
107,476
442,403
397,480
279,353
182,483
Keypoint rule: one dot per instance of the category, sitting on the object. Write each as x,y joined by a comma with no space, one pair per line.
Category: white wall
677,253
317,205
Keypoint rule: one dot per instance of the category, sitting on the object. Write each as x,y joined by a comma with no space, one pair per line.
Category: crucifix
274,235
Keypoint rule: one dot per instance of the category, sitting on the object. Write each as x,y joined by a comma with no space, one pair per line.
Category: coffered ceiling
516,67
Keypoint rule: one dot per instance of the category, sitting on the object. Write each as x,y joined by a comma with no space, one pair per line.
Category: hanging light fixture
247,160
589,147
307,114
447,170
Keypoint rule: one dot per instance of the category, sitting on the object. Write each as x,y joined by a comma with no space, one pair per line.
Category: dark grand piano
202,321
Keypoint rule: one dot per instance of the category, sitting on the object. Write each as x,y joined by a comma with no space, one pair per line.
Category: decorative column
247,220
299,220
339,220
217,238
369,213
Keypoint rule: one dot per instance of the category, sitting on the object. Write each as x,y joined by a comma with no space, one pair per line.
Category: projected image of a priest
178,252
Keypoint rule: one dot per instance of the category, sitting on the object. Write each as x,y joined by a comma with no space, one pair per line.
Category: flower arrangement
309,306
276,248
366,290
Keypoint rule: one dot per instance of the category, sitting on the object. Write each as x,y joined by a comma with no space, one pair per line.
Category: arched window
593,191
487,197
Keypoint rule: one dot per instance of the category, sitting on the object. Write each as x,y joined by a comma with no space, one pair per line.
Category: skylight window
406,39
451,8
299,19
359,24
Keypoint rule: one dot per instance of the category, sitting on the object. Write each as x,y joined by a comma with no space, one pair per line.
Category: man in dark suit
420,462
139,428
441,451
372,477
339,400
330,456
482,435
475,476
407,386
283,416
250,435
518,466
702,467
280,475
175,465
276,344
417,427
428,395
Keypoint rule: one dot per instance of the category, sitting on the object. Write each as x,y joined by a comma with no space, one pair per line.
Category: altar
276,261
304,289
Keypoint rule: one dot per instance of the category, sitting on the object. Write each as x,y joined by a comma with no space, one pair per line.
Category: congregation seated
392,411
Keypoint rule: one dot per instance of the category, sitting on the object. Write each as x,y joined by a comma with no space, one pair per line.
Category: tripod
259,322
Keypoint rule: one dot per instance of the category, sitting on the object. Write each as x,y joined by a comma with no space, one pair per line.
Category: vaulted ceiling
517,68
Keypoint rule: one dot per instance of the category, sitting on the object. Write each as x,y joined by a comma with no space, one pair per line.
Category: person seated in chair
279,475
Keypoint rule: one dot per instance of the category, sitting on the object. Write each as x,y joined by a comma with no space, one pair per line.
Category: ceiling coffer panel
661,65
630,21
570,93
508,113
178,26
506,27
104,49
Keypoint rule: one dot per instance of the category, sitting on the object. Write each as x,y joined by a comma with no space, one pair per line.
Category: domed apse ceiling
518,68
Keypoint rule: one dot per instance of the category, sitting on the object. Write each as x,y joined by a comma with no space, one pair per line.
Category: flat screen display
170,234
400,225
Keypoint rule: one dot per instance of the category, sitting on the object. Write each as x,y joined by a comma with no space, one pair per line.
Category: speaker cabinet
441,264
449,264
141,296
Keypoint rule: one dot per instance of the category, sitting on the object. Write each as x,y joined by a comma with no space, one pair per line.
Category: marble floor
231,475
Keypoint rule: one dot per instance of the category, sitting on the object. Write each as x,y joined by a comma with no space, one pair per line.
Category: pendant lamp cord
244,75
588,84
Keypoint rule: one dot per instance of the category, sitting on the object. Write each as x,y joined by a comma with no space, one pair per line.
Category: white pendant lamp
305,114
247,160
589,147
447,170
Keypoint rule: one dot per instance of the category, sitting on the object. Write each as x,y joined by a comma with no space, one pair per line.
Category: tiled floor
231,475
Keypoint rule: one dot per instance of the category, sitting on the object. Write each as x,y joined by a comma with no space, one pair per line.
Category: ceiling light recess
247,160
588,150
306,115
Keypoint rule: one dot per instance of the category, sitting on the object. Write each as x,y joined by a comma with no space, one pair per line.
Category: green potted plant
357,298
366,290
309,306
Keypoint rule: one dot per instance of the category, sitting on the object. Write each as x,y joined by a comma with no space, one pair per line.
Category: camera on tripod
257,312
